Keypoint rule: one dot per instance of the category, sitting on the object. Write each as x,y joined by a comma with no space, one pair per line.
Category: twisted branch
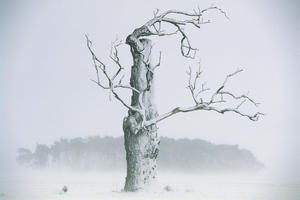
154,27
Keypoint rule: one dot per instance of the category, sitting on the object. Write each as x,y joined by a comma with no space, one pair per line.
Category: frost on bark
140,125
141,143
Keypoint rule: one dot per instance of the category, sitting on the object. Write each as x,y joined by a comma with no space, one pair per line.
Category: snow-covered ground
94,185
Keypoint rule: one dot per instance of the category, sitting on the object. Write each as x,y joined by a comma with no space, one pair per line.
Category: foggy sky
45,73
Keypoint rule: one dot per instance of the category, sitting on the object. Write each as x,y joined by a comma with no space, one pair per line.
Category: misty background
107,154
45,72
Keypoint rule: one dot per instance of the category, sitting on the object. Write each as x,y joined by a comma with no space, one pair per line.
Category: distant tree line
106,153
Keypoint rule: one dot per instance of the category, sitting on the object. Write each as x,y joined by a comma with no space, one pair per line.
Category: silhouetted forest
107,153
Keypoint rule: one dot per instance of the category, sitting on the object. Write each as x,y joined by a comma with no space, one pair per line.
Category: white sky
45,72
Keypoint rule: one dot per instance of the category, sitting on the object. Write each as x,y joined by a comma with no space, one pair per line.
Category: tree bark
141,144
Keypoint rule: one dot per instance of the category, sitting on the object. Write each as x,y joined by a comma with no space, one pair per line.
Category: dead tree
140,126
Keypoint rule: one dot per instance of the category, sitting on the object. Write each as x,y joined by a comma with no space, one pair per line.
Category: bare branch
126,87
115,57
200,104
242,102
223,85
99,65
243,96
192,85
230,75
158,64
176,110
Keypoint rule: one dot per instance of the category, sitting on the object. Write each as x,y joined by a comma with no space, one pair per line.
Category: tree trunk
141,144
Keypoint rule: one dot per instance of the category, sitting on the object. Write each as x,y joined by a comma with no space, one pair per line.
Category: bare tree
140,126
